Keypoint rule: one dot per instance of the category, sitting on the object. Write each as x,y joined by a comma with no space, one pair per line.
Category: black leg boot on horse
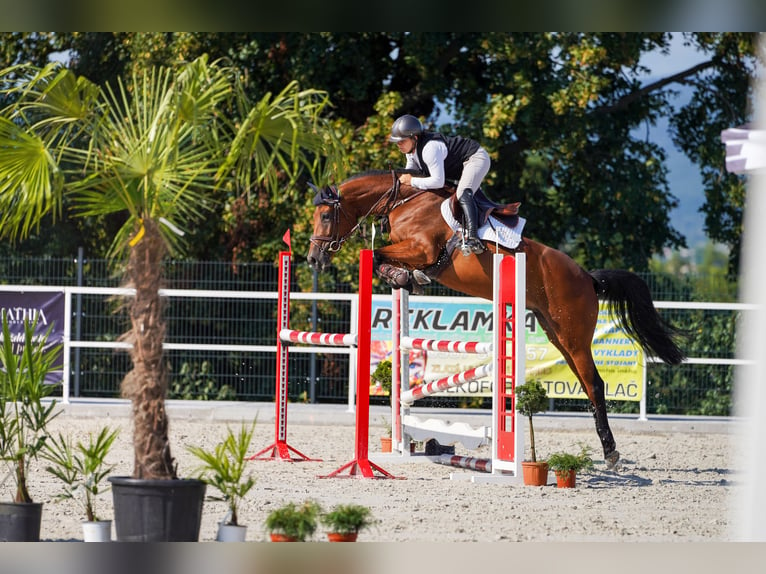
471,243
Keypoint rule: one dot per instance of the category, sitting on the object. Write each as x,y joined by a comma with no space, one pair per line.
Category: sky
683,177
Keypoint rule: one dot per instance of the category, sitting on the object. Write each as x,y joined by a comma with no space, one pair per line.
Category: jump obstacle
507,367
360,466
505,435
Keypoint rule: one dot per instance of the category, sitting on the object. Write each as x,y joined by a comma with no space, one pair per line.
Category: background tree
565,116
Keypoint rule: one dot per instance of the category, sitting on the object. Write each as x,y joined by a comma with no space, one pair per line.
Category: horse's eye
326,217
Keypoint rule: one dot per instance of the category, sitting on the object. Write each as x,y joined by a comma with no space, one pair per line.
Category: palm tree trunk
22,494
146,383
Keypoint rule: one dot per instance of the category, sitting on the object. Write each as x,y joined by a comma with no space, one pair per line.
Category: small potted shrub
224,469
82,468
24,418
382,376
292,522
385,440
531,398
345,521
567,465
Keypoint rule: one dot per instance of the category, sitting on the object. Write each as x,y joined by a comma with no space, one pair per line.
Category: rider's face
406,145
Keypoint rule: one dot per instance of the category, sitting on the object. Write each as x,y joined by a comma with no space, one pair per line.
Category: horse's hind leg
580,361
598,400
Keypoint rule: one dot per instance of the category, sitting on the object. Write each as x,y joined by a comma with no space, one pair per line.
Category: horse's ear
313,187
325,195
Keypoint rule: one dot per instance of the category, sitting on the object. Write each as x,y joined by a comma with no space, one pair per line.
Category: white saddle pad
493,230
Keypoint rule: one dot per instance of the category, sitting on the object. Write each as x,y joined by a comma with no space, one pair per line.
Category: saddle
507,213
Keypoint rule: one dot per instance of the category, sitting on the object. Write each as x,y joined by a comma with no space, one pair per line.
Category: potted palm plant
293,522
566,466
82,468
153,152
224,469
531,398
24,418
345,521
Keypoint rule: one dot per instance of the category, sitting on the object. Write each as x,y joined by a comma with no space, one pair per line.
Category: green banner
618,359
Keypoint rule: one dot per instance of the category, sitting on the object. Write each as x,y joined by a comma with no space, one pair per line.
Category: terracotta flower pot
566,478
339,537
535,473
385,444
277,537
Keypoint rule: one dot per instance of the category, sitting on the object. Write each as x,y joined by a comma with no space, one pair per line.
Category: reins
390,201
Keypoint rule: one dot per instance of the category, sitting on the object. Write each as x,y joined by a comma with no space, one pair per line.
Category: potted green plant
566,466
381,376
345,521
224,469
292,522
24,418
531,398
82,468
385,439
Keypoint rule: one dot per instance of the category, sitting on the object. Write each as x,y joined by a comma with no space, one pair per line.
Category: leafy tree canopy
565,116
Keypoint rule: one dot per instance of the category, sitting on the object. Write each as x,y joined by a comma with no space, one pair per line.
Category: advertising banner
48,307
619,361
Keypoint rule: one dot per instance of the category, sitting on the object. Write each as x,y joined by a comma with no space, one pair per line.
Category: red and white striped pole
481,464
433,387
445,346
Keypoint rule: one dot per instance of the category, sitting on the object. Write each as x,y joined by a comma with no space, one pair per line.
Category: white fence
70,344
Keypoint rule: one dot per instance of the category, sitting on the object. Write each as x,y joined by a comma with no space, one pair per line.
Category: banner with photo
48,307
619,360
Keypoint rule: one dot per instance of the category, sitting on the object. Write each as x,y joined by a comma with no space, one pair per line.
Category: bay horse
562,295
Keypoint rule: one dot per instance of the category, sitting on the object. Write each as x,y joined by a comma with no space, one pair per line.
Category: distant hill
684,180
686,184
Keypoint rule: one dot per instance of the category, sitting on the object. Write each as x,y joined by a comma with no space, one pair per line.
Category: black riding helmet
405,127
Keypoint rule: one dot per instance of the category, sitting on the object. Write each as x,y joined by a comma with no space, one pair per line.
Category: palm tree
156,148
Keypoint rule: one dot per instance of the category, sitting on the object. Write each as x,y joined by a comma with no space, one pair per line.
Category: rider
441,157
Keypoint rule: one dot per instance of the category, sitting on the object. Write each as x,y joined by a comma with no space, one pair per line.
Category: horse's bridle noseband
329,196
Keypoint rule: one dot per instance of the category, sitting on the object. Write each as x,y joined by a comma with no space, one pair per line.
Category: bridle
330,196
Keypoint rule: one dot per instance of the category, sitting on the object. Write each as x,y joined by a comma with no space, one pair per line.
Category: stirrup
472,245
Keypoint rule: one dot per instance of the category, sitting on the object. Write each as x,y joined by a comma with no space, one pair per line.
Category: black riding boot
471,243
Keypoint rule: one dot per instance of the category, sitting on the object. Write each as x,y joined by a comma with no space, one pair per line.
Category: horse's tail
631,303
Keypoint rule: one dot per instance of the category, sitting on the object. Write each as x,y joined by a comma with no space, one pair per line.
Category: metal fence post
78,321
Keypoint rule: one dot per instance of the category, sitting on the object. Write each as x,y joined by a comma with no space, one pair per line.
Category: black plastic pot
157,510
20,522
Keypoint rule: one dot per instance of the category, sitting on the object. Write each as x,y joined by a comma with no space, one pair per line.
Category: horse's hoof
612,460
420,278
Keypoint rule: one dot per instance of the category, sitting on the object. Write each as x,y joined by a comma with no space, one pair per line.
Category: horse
563,296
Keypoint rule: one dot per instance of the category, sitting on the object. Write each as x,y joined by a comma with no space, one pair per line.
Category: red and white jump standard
360,466
280,450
